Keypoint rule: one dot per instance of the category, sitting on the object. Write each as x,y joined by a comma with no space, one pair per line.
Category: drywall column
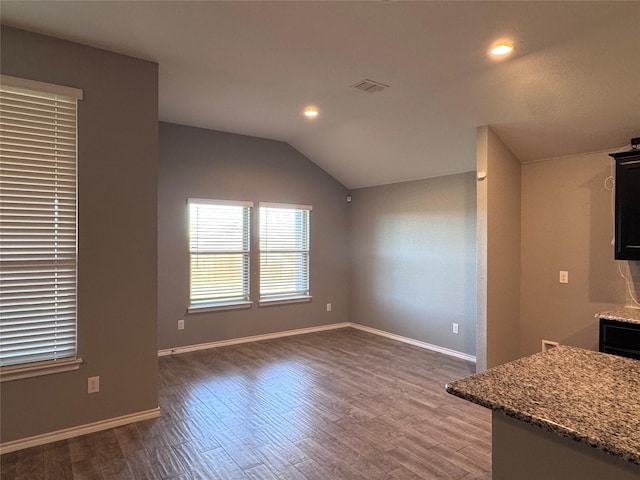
481,247
498,235
117,245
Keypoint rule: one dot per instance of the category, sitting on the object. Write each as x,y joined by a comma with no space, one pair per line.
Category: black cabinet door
627,235
620,338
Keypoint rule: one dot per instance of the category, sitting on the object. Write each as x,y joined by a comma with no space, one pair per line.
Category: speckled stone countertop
590,397
622,314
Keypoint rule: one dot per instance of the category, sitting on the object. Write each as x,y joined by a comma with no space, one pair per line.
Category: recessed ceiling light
311,112
501,49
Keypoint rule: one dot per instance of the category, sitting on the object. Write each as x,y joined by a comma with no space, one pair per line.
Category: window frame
231,304
46,93
285,298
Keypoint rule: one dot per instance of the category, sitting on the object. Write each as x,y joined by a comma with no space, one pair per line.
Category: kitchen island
562,414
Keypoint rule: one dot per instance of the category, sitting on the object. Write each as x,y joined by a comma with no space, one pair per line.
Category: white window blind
284,251
38,222
219,246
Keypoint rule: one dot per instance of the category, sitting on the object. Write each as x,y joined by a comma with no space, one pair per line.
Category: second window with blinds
284,252
221,261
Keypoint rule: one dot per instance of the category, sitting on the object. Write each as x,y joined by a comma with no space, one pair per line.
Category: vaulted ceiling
572,84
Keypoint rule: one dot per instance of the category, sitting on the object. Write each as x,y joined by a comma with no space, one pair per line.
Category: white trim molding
417,343
50,88
302,331
254,338
36,369
285,205
210,201
215,307
271,302
77,431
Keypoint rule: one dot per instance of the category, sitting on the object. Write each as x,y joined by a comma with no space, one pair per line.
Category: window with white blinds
38,223
219,247
284,251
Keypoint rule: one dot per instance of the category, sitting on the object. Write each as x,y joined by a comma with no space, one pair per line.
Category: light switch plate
93,384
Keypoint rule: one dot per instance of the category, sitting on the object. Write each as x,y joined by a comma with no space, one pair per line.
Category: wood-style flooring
341,404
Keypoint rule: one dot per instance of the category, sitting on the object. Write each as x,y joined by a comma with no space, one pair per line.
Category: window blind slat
34,95
11,172
34,168
16,107
55,305
39,322
12,156
38,217
52,109
29,333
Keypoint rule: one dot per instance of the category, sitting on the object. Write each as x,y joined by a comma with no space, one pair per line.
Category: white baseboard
417,343
254,338
301,331
77,431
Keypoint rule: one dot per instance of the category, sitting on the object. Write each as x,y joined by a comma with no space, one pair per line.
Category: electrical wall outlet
93,384
329,307
455,328
564,276
181,324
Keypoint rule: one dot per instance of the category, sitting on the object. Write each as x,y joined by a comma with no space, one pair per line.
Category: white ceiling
572,86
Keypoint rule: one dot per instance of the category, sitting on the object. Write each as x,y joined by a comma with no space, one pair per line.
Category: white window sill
284,301
215,307
18,372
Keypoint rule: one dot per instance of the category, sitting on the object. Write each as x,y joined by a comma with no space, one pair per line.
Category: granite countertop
622,314
590,397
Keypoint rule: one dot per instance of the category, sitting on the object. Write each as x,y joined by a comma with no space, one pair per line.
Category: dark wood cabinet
627,210
620,338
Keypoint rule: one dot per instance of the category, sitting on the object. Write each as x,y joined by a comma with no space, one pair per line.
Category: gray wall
412,252
498,251
567,224
208,164
117,297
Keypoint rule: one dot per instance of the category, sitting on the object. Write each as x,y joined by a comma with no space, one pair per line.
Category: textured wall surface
413,256
567,224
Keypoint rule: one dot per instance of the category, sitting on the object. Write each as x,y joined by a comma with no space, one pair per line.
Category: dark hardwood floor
340,404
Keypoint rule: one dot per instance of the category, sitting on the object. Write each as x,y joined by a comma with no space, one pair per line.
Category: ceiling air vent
370,86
